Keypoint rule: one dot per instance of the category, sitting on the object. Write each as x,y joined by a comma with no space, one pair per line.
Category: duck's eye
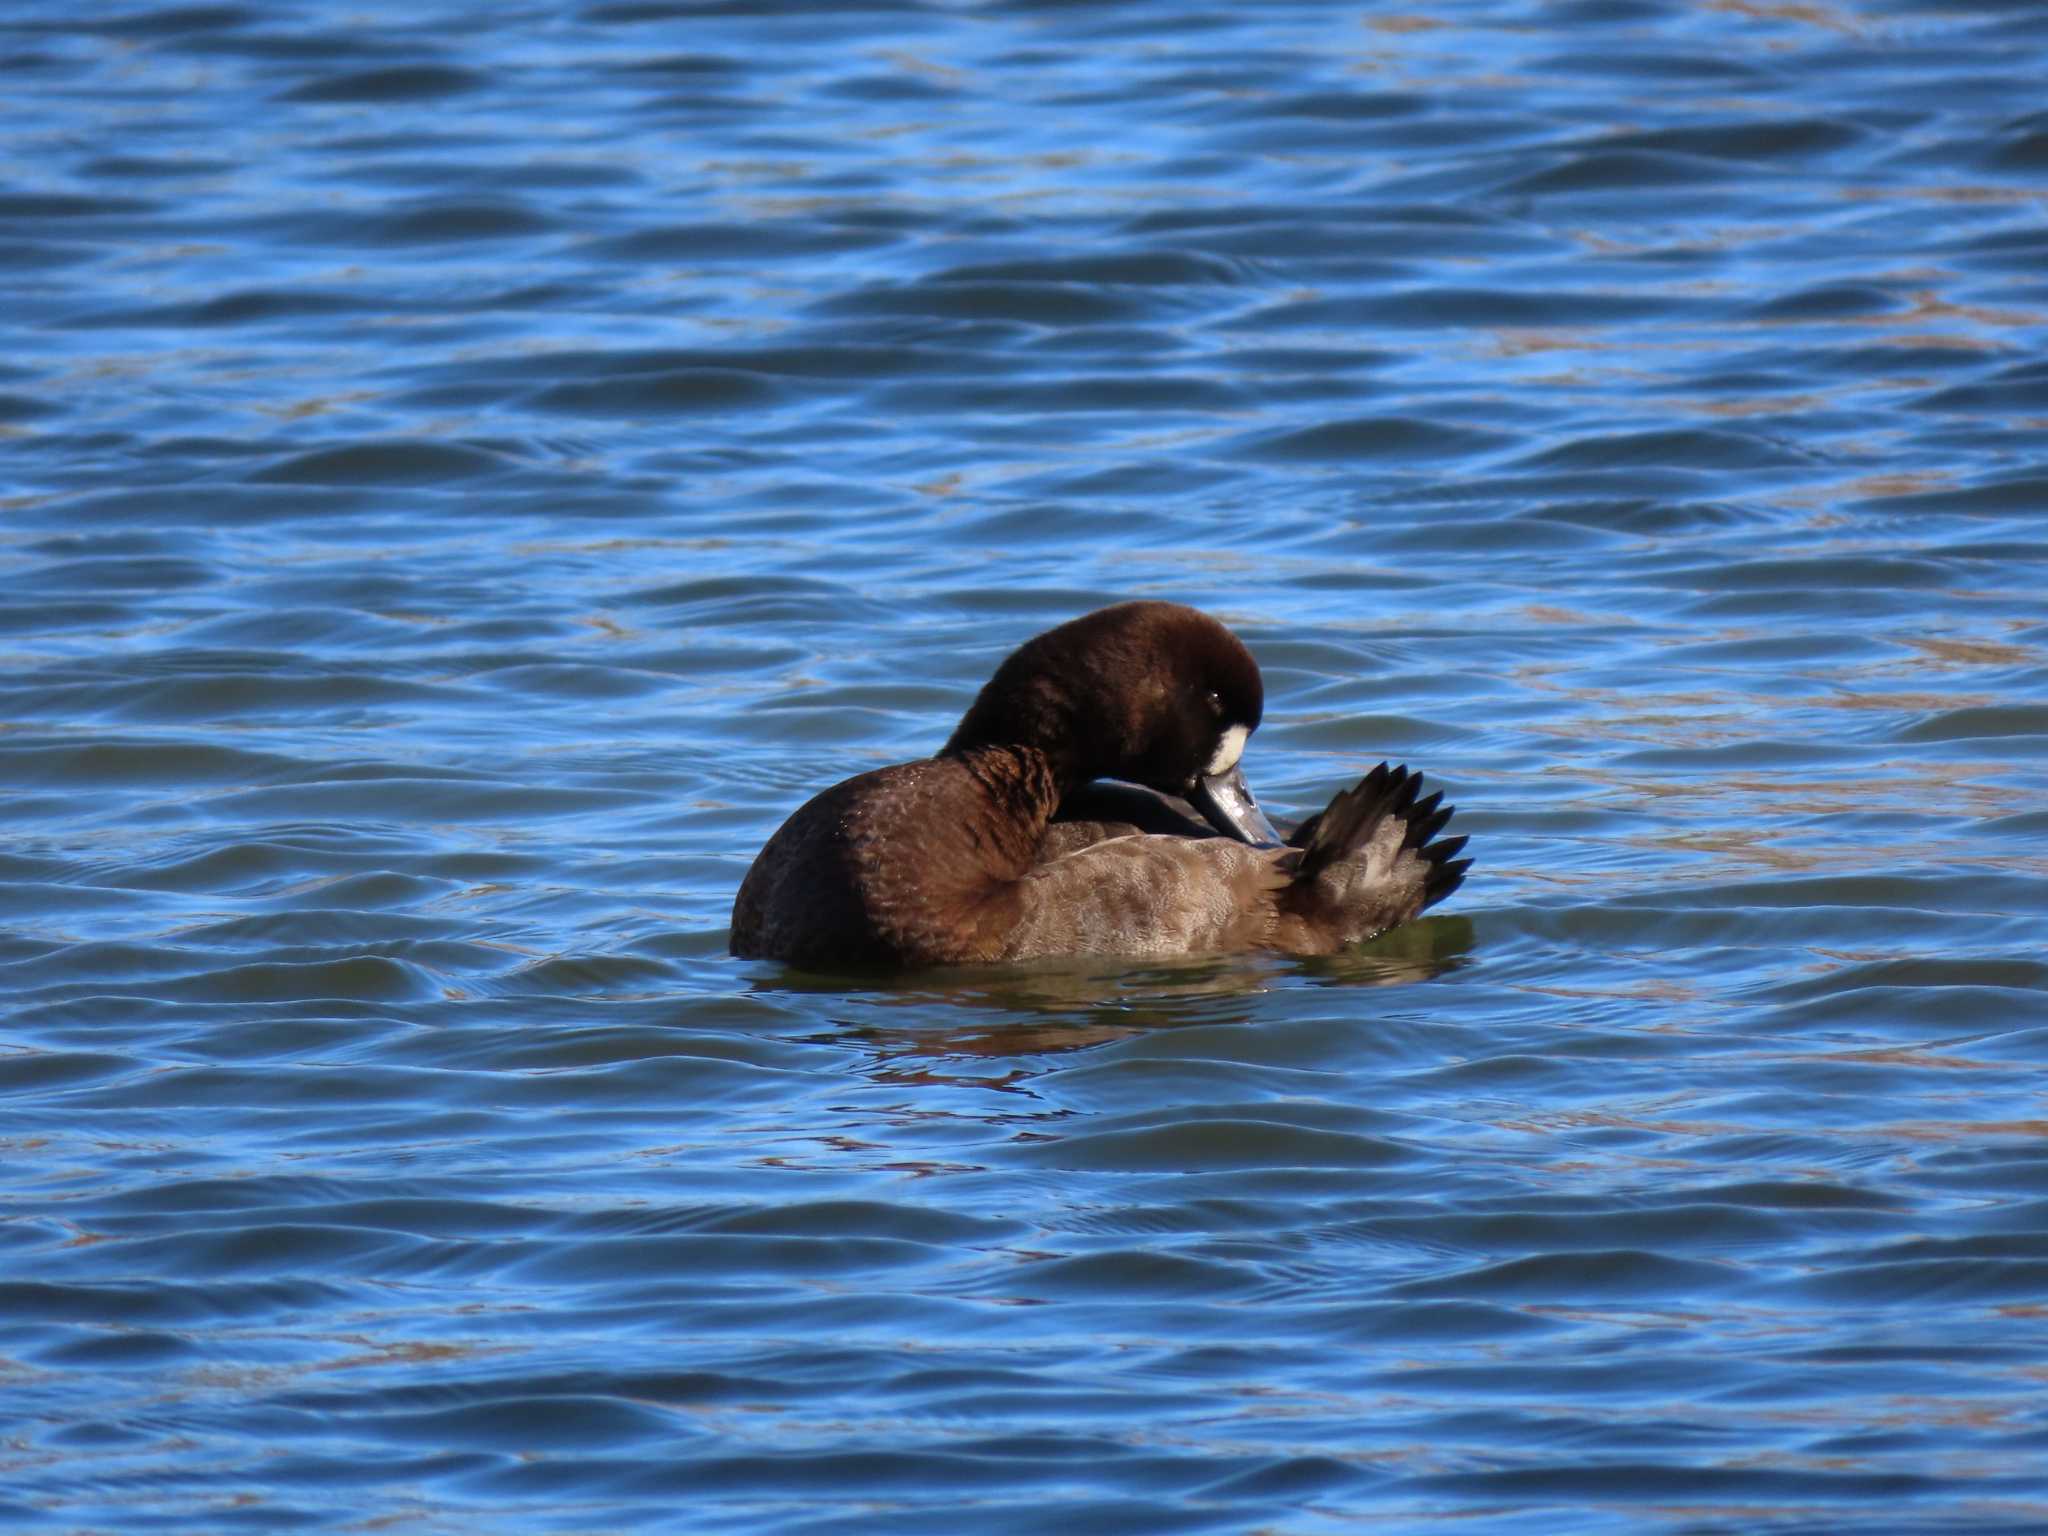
1215,702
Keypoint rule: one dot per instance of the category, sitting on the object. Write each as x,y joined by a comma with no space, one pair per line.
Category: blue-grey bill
1226,803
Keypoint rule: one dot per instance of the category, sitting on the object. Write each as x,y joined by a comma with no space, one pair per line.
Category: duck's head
1153,693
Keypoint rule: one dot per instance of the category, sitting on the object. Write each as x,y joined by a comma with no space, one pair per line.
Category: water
470,470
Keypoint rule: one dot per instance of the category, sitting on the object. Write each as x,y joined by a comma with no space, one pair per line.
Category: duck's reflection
1050,1007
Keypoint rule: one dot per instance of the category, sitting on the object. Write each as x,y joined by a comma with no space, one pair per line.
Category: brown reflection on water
1544,613
1031,1010
1958,1130
1911,1056
1823,16
1762,405
1941,653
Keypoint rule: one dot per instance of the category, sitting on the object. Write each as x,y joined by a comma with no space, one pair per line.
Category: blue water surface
469,470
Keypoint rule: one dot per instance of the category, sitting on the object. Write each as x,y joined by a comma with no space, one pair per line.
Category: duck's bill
1226,803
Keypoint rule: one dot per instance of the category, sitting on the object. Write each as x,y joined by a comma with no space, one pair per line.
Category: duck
1092,803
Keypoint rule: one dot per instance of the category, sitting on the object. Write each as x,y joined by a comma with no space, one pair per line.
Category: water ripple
457,508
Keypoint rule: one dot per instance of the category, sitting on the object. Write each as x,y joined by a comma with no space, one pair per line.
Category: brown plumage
1002,847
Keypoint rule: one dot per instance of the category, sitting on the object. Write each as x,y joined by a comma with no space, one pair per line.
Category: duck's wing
1148,897
1069,837
1369,860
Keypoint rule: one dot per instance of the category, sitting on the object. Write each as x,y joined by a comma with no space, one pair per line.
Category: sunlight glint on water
470,471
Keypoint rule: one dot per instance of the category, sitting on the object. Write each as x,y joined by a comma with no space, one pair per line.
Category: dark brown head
1153,693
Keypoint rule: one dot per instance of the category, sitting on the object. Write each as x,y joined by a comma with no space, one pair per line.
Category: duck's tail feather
1371,858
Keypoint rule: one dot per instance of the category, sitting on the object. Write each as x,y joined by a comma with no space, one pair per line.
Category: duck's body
998,849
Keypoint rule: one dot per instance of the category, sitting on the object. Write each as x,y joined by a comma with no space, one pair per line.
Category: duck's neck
1040,720
1023,787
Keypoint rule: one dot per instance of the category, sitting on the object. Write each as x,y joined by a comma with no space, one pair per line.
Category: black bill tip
1226,803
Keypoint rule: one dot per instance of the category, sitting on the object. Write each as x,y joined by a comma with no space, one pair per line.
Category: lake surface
470,470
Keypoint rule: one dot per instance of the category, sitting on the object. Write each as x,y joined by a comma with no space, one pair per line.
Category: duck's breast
894,867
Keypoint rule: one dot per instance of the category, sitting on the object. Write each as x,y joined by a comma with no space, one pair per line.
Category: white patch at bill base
1228,751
